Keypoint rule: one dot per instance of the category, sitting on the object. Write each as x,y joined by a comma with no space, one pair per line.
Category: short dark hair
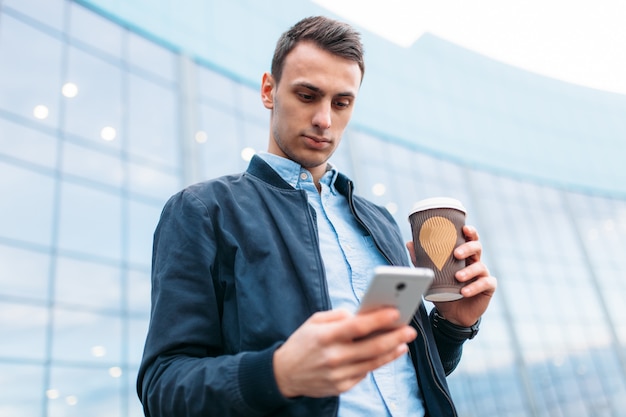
333,36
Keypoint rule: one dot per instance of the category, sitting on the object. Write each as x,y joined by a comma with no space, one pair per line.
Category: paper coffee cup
437,228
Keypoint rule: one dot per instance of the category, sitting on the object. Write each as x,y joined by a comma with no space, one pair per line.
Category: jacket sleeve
185,371
450,349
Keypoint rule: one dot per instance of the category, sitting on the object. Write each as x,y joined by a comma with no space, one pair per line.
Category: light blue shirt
349,257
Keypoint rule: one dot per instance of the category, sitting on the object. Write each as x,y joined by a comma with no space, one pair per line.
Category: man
256,276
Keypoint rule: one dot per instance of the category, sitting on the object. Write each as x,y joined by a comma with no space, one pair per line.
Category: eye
342,103
306,96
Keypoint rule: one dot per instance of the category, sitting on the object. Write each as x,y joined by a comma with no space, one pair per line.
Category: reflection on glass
94,392
108,133
247,154
378,189
40,112
115,372
69,90
53,394
201,136
98,351
99,103
392,207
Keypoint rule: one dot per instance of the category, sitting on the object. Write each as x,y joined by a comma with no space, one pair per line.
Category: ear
267,90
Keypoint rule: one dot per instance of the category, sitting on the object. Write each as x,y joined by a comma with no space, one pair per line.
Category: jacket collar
262,170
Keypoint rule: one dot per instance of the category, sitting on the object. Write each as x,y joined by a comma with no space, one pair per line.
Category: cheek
343,118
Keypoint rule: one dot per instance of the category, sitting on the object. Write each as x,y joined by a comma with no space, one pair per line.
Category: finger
477,269
355,371
330,316
470,232
382,343
484,285
364,324
411,248
469,250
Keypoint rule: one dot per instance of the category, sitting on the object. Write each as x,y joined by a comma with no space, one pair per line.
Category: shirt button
303,176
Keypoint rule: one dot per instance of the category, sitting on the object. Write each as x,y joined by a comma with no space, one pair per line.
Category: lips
316,139
317,143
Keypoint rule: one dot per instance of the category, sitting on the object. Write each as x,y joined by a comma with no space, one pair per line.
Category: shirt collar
291,171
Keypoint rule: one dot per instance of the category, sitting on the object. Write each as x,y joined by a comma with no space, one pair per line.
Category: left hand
477,294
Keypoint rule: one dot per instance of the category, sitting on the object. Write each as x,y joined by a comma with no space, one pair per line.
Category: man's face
311,105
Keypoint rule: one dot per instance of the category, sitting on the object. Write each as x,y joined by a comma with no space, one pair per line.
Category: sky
577,41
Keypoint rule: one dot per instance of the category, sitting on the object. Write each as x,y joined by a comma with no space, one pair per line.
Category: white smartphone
397,286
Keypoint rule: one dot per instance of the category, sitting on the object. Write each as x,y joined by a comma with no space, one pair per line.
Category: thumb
411,248
330,316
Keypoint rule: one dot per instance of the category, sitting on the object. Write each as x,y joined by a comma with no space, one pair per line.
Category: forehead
307,63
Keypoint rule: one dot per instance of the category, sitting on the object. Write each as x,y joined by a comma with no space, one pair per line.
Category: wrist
280,376
453,331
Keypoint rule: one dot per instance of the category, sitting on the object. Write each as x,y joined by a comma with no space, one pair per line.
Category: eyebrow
321,92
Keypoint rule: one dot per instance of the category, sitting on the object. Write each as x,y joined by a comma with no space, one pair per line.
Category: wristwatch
452,330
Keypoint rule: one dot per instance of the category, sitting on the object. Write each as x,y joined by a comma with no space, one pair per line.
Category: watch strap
452,330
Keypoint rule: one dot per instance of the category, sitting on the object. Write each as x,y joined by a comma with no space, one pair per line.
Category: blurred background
107,107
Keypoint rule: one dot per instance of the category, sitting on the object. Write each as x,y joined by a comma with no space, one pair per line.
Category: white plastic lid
437,202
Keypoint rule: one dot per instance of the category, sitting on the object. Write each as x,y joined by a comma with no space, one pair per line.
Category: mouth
317,139
316,142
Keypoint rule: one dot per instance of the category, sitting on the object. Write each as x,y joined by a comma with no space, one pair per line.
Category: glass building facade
108,108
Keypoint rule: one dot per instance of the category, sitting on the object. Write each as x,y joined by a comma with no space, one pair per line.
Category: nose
322,116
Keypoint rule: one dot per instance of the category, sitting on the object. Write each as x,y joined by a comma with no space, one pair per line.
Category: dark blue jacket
236,269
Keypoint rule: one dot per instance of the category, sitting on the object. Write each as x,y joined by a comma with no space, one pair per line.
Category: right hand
330,352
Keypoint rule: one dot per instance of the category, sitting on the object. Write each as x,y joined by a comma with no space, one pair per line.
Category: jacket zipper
417,325
358,219
320,263
432,370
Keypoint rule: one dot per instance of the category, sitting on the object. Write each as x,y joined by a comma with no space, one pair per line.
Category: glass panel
87,27
29,76
138,329
250,105
139,287
19,141
49,12
90,221
22,390
135,409
97,104
86,337
151,57
87,284
153,121
153,182
143,220
24,273
23,330
92,164
341,159
255,136
85,392
26,205
222,146
216,88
